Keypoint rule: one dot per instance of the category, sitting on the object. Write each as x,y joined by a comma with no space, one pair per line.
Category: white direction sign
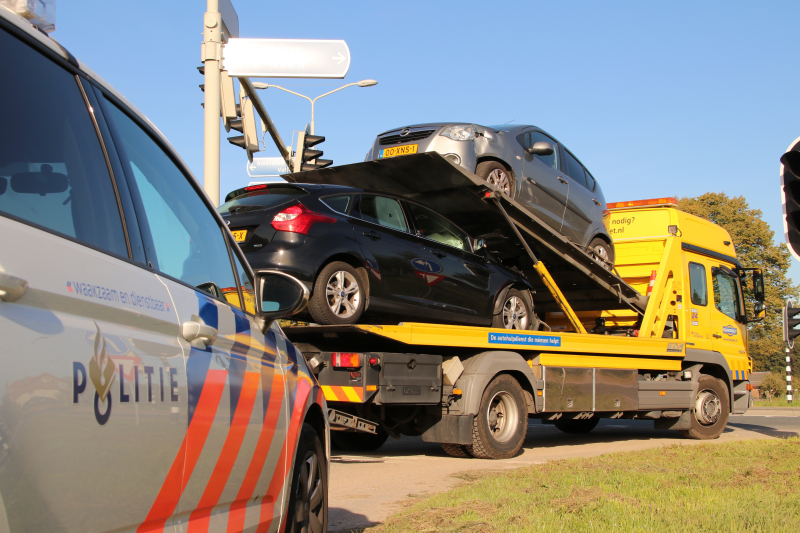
267,167
286,58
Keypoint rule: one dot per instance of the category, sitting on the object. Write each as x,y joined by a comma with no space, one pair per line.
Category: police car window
549,160
246,284
187,243
337,203
437,228
52,169
383,211
697,284
725,293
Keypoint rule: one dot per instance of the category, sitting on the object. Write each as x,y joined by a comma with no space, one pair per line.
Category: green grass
749,486
776,403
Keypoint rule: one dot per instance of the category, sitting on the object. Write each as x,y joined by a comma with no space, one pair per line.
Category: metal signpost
246,58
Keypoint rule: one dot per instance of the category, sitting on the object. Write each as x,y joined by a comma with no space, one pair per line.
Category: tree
773,386
755,247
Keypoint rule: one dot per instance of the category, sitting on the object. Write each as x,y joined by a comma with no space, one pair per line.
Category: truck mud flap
340,420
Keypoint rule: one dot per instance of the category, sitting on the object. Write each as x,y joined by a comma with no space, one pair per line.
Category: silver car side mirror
278,295
541,148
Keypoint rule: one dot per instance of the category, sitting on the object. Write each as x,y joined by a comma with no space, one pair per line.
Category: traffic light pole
212,56
788,374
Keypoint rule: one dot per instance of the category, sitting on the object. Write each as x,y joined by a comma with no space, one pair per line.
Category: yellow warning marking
351,394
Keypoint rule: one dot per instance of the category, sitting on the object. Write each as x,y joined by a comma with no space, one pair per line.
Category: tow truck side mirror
278,295
759,312
758,285
541,148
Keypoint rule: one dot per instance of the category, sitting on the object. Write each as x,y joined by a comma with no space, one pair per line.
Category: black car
373,257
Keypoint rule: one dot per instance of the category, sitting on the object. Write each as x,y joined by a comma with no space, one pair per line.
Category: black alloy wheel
308,501
339,295
515,312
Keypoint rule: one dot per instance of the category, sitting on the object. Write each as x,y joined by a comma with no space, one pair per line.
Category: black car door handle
372,235
562,180
439,254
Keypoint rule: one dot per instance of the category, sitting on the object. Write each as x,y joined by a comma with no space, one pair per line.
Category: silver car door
235,387
91,365
581,209
544,189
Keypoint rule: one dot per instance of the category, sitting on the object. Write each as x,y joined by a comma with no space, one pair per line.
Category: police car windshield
258,197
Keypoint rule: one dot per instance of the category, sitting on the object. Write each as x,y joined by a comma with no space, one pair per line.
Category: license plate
239,235
398,150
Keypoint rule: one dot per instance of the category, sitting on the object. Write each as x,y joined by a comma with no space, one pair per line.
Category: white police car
145,385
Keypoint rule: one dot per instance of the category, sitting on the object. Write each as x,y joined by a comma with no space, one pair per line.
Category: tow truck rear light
374,360
672,202
299,219
346,360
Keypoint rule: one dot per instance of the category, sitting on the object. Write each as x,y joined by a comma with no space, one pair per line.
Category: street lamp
362,83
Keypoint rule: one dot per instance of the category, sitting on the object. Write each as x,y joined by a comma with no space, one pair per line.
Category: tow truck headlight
459,133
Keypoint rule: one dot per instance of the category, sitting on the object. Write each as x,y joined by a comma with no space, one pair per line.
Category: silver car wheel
515,314
502,416
499,178
343,294
602,253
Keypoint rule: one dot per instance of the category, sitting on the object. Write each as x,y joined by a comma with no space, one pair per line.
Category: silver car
527,163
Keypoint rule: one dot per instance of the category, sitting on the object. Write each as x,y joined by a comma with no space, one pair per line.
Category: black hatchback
372,257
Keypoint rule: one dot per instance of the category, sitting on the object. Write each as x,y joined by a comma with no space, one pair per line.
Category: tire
515,313
308,500
577,426
495,436
603,251
327,306
347,441
710,411
456,450
496,174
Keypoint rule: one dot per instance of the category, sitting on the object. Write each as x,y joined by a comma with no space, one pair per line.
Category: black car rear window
259,197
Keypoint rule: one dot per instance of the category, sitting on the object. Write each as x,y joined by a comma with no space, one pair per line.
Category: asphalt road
366,488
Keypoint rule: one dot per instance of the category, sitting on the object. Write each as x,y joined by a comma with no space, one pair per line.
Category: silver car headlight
459,133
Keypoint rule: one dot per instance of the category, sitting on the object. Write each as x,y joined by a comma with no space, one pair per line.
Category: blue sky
655,98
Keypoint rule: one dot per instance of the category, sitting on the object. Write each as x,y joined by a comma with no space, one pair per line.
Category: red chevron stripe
188,454
278,481
239,508
199,519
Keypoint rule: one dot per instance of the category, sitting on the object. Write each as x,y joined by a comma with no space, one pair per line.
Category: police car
145,383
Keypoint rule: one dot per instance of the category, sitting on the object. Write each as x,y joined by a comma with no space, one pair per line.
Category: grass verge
776,403
740,486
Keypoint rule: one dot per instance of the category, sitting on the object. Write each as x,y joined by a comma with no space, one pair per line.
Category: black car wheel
308,501
602,251
515,312
496,174
338,296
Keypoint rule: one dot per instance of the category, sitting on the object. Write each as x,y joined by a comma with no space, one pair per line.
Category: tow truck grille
397,139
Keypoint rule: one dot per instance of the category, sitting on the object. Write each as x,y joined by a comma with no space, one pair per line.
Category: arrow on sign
338,58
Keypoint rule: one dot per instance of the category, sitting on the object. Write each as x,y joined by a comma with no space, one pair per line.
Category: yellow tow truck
661,336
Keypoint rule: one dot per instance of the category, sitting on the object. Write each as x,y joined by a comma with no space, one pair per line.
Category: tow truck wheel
600,249
576,426
499,428
348,441
338,296
456,450
496,174
308,501
514,313
710,411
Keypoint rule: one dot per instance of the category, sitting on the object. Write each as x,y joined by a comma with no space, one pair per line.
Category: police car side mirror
278,295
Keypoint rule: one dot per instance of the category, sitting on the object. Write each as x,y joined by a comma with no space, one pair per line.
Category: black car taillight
299,219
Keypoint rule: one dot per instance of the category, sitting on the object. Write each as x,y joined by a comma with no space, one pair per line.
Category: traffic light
790,191
790,322
307,159
246,125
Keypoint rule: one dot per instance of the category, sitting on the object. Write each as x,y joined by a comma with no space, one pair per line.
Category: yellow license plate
239,235
398,150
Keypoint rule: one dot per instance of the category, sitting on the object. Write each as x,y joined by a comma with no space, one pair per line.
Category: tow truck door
726,331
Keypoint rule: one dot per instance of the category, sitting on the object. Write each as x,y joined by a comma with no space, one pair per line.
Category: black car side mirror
541,148
278,295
